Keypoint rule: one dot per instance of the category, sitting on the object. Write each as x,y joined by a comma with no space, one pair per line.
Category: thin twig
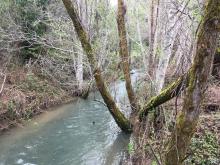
152,150
100,102
2,87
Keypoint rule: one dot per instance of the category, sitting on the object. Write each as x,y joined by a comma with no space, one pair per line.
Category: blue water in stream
69,137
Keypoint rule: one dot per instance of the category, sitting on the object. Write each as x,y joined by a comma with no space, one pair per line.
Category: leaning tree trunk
119,117
204,54
125,55
171,91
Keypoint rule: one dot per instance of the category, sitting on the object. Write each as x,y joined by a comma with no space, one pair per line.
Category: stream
80,133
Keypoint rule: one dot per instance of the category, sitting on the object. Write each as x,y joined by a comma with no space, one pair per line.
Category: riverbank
27,94
205,144
82,132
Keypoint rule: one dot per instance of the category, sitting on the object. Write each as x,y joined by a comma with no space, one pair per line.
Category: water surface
81,133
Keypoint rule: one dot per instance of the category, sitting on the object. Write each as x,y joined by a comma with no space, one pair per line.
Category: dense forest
165,53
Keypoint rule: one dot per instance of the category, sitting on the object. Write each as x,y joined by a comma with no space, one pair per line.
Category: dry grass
25,95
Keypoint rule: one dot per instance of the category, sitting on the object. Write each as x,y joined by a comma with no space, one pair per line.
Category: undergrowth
204,150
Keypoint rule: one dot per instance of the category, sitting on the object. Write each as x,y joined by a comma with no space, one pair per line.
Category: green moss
168,93
218,51
180,119
130,148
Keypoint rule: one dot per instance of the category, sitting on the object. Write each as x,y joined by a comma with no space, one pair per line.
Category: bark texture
204,54
119,117
125,58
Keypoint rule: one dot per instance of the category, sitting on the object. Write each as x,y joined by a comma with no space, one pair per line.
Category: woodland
54,51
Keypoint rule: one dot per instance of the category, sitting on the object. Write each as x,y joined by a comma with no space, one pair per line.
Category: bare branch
2,87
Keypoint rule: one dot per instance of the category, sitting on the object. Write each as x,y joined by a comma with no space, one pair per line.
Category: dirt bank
26,94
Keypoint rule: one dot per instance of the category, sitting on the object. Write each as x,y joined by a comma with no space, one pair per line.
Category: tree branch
171,91
2,87
166,94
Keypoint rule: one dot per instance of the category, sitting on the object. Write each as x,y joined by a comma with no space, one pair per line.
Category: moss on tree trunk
166,94
118,116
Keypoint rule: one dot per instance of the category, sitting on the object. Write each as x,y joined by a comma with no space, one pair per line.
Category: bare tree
119,117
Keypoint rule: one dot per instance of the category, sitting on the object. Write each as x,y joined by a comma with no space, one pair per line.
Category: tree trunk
119,117
187,120
216,66
125,55
79,72
141,43
152,30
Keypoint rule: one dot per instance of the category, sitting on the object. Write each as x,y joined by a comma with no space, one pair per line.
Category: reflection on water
80,133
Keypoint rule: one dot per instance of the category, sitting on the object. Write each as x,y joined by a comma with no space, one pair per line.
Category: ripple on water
28,146
85,133
59,132
69,126
20,161
22,154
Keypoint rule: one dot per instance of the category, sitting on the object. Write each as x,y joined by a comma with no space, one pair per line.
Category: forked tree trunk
119,117
204,54
125,59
